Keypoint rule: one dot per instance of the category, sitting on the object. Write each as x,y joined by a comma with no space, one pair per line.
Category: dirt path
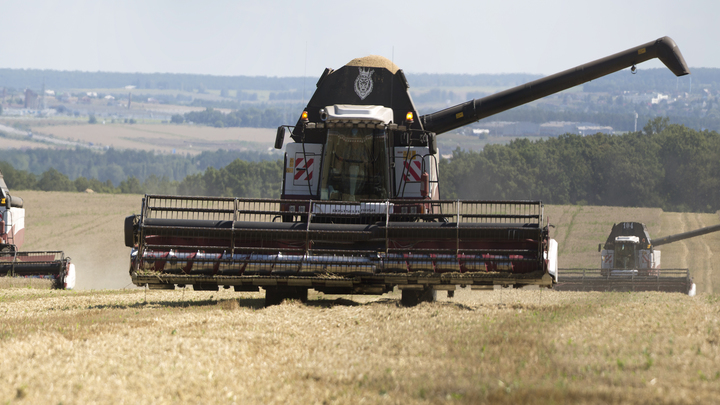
695,253
568,216
683,244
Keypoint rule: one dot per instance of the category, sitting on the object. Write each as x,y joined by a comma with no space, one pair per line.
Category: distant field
190,139
87,227
500,347
185,138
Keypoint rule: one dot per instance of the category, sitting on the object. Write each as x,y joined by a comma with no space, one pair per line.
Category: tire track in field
707,269
83,229
685,250
562,246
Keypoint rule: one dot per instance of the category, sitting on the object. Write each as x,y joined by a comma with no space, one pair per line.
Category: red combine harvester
49,265
360,211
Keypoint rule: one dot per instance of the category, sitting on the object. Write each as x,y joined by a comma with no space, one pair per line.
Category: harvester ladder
387,224
308,242
457,227
141,244
232,227
12,268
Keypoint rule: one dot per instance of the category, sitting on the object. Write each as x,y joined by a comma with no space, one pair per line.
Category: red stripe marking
412,172
302,170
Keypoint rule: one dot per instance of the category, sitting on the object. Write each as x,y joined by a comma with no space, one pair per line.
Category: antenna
304,74
636,117
392,79
43,95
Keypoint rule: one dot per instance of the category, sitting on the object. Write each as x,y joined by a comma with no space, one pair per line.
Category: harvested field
87,227
165,138
510,346
504,346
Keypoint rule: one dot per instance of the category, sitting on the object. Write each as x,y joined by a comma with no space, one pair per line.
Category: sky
301,38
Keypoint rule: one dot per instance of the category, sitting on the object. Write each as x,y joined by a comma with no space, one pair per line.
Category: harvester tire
276,295
411,298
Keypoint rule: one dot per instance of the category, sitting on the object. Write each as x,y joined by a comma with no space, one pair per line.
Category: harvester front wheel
410,298
277,294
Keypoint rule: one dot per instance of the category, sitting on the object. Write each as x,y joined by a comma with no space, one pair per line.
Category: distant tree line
656,79
665,165
270,117
617,114
59,79
238,179
116,165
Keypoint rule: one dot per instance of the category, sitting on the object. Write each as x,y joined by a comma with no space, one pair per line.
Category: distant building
31,100
594,129
556,128
552,128
660,98
507,128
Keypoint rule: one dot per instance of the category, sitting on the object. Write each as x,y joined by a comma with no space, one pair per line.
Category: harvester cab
626,248
359,139
360,210
628,251
49,265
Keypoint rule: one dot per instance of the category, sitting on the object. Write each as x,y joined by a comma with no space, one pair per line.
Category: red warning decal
303,171
414,169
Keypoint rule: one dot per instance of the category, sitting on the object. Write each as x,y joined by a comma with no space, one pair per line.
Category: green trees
269,117
53,180
238,179
667,166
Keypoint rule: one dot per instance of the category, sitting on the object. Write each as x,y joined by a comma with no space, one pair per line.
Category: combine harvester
630,262
49,265
360,211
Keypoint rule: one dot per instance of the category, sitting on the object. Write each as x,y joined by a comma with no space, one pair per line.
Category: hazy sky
296,38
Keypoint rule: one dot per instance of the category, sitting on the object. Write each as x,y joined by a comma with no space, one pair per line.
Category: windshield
625,256
355,166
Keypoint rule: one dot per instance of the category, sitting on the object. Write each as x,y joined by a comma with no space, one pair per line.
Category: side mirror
599,247
280,137
432,144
